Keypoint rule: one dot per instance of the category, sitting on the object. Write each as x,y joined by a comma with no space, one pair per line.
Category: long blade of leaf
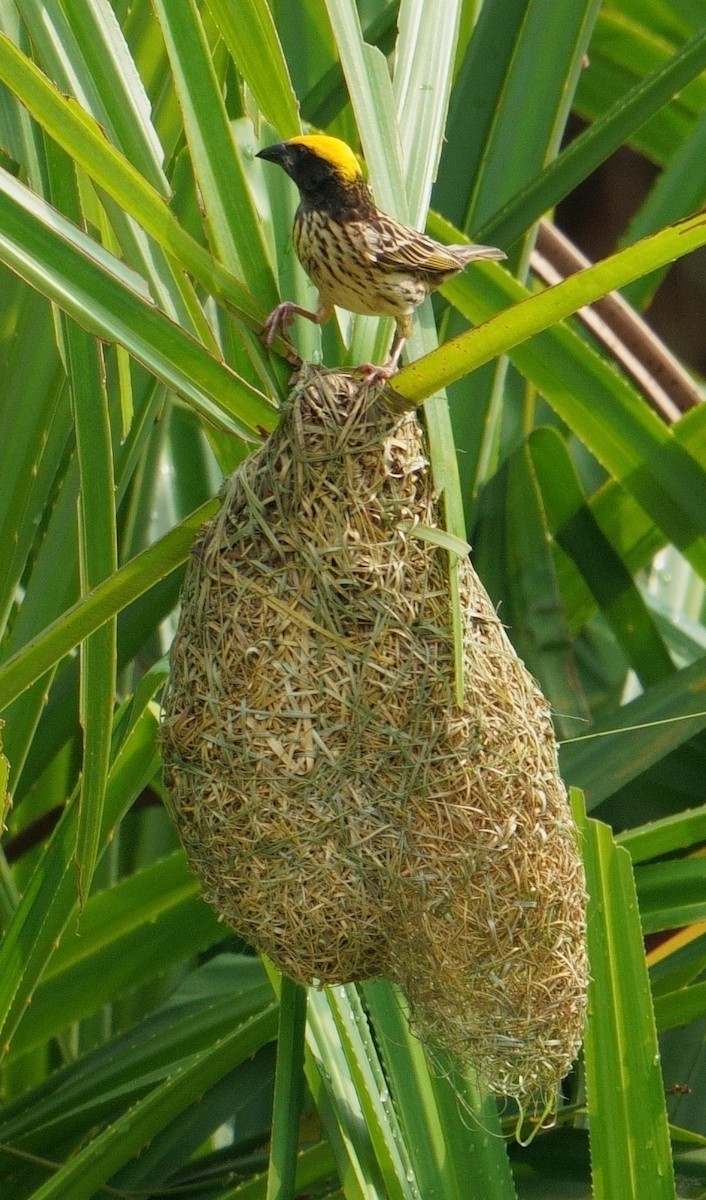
578,533
608,416
97,543
452,1128
630,1147
50,897
92,1166
592,147
508,329
83,48
343,1046
109,951
251,36
231,217
621,746
99,559
289,1091
664,836
108,300
77,132
131,580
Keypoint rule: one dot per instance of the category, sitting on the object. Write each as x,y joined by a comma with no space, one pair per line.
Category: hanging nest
344,813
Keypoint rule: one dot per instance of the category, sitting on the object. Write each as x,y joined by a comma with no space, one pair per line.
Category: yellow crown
333,151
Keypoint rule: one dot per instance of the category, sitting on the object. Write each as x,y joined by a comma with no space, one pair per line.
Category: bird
357,256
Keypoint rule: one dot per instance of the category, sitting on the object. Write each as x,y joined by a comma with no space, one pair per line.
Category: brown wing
396,246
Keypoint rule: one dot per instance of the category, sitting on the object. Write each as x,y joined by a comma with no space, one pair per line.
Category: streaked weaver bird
358,257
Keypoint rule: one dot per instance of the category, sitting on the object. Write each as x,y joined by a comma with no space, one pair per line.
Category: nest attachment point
343,812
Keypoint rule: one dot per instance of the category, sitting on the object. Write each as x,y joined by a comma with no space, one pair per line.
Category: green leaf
374,105
592,147
98,544
679,190
110,302
535,612
315,1165
99,1086
424,52
77,132
621,746
50,898
231,218
680,1007
33,447
98,550
675,832
85,50
630,1150
628,528
550,47
130,581
110,951
345,1081
289,1091
625,48
439,537
575,529
671,894
451,1127
91,1167
251,37
518,49
605,412
509,328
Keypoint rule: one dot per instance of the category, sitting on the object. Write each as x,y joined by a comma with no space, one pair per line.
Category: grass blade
289,1091
77,132
592,147
131,580
108,300
50,898
630,1147
251,36
231,218
508,329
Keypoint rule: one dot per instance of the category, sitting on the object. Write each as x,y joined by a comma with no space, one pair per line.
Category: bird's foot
372,373
279,321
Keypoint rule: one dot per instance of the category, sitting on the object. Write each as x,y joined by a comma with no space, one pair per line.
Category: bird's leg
281,317
397,347
376,374
280,320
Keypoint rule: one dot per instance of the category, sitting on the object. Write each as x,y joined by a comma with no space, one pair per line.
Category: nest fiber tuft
343,812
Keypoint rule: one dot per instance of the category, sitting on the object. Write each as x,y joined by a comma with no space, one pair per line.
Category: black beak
275,154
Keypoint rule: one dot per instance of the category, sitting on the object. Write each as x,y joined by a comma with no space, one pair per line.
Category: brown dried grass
344,814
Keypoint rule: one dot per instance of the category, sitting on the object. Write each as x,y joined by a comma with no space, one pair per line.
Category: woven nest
343,812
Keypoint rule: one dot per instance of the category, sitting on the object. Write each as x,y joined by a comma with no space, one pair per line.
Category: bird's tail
467,254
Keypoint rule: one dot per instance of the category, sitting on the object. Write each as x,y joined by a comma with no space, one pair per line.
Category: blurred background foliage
140,247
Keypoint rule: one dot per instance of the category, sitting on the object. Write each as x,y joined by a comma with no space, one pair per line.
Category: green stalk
289,1091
